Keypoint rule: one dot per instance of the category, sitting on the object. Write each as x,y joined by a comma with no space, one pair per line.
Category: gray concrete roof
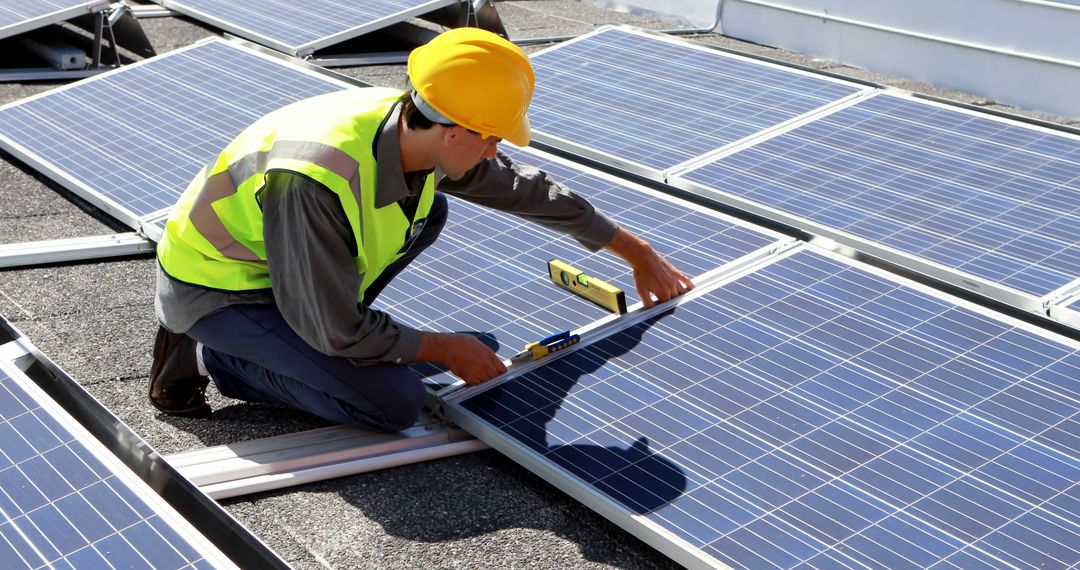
96,320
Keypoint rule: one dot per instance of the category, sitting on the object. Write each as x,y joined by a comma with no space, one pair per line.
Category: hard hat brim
522,134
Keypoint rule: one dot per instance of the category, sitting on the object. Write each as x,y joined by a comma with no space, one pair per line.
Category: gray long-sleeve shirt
309,245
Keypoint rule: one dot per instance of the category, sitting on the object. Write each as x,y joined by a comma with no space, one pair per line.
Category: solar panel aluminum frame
560,145
1066,308
148,224
860,248
308,49
87,7
13,357
153,226
638,525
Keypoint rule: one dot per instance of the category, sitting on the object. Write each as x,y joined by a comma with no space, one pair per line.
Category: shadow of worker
570,412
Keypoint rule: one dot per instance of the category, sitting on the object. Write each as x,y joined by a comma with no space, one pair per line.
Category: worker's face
464,149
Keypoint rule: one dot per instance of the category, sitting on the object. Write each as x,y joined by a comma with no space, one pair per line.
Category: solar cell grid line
647,103
18,16
130,140
488,270
66,502
977,201
300,28
812,412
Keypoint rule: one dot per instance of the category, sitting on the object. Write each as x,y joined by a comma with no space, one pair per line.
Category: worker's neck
418,147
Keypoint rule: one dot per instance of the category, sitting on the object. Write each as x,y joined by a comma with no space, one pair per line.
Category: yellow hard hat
476,79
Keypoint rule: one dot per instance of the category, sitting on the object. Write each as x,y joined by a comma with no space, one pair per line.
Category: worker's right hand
464,354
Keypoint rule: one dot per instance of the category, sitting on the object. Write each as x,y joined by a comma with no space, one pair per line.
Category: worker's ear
452,133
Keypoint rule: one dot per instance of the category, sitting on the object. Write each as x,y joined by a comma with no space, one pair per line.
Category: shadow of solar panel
656,102
300,27
996,201
129,141
488,270
18,16
812,414
65,504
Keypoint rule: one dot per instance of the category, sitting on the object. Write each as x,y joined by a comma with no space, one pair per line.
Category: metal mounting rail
73,249
150,11
282,461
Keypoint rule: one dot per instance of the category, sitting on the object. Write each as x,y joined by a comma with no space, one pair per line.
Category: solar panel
18,16
300,28
488,270
811,414
65,502
129,141
978,201
648,102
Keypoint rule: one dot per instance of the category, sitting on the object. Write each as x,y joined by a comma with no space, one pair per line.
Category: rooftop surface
96,321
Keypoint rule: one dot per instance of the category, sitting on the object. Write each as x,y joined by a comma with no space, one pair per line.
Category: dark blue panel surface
660,102
291,22
815,415
62,506
488,270
137,136
996,200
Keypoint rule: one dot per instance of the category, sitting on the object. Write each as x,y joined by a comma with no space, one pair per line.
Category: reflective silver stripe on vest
224,184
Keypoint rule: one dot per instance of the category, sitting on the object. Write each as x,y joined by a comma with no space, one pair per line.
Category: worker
274,253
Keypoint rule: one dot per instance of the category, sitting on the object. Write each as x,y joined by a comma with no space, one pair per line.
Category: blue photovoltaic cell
155,124
63,507
997,200
815,415
15,12
488,270
658,102
299,23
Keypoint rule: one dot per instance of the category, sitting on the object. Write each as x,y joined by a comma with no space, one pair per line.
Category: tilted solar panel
65,502
992,205
811,414
649,102
129,141
488,270
301,27
18,16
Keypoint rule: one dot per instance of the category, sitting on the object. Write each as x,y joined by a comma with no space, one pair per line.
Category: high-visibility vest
214,237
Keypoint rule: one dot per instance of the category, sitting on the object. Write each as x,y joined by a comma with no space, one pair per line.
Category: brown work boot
176,387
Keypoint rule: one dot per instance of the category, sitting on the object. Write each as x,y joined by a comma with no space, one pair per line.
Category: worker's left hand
655,278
